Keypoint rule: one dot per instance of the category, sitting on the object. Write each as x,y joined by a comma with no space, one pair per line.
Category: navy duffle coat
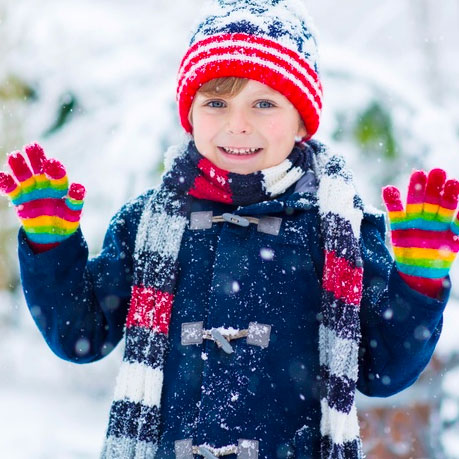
229,276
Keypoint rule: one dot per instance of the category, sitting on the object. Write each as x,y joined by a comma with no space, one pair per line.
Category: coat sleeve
80,304
400,326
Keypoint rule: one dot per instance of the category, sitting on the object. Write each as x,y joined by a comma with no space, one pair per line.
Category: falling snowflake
388,313
267,254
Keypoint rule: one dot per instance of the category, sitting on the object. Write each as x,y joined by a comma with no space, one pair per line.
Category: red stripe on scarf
150,308
213,184
343,280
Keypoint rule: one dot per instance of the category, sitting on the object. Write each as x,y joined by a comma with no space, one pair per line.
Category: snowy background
94,83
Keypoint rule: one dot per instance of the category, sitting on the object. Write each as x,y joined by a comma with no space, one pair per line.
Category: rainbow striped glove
425,235
48,209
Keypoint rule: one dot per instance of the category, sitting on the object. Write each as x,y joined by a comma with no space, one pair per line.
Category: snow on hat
271,41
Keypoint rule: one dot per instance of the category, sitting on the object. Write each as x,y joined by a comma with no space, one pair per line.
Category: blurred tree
374,132
67,105
14,93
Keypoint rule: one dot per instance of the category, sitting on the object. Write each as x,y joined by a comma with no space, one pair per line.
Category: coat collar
282,204
300,196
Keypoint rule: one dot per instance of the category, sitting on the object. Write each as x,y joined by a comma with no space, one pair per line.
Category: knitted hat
271,41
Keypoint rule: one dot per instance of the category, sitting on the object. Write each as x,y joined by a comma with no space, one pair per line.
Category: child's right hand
48,208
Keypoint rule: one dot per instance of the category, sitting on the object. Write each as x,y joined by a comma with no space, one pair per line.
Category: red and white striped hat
271,41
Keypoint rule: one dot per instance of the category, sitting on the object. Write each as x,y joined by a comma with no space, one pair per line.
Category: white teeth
240,151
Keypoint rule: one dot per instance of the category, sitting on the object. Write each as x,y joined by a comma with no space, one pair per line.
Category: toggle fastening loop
183,449
192,333
206,453
236,219
201,220
205,219
245,449
221,341
257,335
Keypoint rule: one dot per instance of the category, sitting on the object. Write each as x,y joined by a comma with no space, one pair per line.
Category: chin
244,171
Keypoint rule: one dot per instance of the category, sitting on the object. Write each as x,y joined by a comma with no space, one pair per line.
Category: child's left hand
425,235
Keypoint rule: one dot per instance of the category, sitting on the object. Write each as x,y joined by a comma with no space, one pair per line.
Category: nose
238,123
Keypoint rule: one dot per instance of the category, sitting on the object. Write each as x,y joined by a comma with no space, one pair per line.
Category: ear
190,112
302,129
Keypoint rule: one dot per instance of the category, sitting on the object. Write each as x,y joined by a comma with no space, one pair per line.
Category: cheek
201,129
280,131
204,126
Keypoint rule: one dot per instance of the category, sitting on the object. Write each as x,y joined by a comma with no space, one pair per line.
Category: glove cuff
425,285
39,248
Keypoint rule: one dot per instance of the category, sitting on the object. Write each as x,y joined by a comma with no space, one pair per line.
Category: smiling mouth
240,151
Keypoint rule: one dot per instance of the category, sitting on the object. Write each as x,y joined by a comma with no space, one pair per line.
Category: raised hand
48,208
425,234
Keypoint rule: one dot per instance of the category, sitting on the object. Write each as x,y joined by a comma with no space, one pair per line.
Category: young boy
254,291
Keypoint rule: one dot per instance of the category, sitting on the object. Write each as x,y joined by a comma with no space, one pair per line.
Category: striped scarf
133,430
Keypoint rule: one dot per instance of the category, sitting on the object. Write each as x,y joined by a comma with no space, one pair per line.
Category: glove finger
37,159
394,205
8,185
416,194
392,199
75,197
448,202
21,171
451,196
434,190
77,191
57,175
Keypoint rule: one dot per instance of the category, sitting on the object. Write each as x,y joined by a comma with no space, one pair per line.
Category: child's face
257,118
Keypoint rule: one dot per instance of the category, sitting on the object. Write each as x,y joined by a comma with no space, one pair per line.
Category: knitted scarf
133,430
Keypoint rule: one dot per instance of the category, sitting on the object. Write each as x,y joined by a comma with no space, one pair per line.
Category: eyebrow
264,93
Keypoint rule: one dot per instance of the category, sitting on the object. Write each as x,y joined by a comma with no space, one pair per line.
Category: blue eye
219,103
265,104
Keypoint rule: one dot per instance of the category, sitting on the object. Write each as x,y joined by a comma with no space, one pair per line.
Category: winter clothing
263,390
155,272
424,236
229,276
47,212
139,384
271,41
